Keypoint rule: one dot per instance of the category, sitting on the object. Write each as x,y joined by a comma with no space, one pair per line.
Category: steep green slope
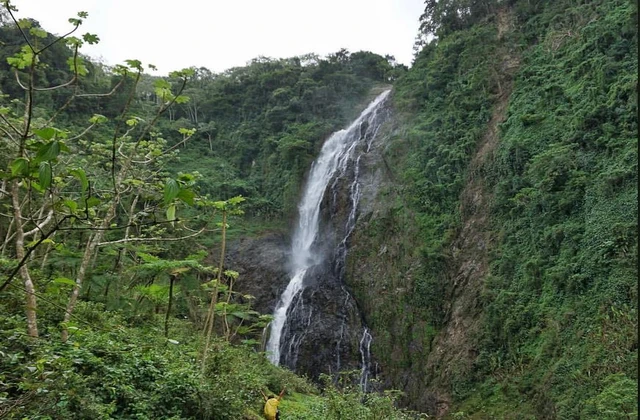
518,155
561,301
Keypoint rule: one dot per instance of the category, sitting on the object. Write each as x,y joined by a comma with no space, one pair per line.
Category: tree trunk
31,305
90,248
214,298
166,317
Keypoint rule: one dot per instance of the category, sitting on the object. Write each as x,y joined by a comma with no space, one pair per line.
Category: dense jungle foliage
560,304
114,184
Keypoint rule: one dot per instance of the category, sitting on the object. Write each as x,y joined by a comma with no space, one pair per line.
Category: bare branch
86,130
60,38
10,125
39,226
100,95
18,80
120,241
21,31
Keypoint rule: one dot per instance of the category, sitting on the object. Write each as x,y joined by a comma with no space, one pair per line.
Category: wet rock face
262,265
325,327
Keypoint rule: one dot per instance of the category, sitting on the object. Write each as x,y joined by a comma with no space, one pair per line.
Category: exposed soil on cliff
454,346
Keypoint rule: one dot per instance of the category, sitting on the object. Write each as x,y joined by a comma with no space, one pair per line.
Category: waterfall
334,157
365,353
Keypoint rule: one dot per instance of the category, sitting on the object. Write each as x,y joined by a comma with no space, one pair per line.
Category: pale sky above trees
219,34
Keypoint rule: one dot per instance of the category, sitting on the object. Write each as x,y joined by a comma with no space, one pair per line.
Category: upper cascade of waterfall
335,154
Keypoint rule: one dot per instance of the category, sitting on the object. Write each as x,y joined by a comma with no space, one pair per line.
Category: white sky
220,34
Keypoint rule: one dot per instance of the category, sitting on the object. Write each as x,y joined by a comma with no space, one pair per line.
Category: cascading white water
365,353
335,154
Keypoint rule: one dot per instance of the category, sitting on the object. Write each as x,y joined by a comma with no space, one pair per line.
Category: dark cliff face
262,265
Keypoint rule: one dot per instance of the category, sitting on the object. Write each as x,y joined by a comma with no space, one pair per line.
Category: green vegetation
260,126
559,309
562,301
110,306
116,185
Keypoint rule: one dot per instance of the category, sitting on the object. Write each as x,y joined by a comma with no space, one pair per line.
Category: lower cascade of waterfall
365,353
316,314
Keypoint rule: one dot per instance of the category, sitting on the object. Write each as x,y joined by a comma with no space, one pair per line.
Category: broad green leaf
72,205
161,84
171,190
91,38
186,131
82,177
36,186
44,174
148,258
77,63
134,64
92,201
98,119
73,41
46,133
38,32
64,280
182,99
187,196
20,167
24,23
236,200
171,213
48,151
187,178
23,58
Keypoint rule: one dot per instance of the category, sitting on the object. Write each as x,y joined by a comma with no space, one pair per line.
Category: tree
56,181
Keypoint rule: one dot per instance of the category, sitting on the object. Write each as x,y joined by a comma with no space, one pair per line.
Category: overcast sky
220,34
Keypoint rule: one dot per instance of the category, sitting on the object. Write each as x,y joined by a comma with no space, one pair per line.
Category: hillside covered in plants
493,257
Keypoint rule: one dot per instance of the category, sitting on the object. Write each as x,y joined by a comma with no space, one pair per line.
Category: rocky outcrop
262,265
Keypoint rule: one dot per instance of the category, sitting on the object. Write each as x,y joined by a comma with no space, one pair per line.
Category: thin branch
10,125
176,145
125,240
161,111
15,71
100,95
73,80
83,133
6,4
12,275
60,38
29,108
120,227
39,227
16,142
117,129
